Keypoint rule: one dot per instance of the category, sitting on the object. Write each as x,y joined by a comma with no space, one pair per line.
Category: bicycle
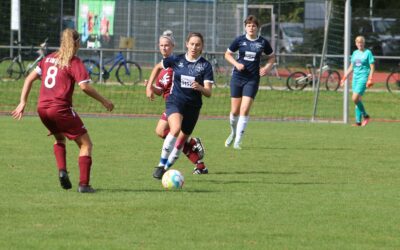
221,73
393,80
299,80
275,76
128,72
12,68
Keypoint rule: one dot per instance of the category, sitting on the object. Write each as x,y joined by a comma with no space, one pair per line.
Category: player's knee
86,148
86,145
159,133
175,131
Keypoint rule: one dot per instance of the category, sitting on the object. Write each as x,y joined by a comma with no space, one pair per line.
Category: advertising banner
96,22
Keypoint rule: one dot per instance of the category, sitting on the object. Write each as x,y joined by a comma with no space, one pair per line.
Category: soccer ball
173,179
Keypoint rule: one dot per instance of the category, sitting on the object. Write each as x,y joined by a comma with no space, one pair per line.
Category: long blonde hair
68,47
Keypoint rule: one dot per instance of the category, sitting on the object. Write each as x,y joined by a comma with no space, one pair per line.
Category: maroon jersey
58,84
164,81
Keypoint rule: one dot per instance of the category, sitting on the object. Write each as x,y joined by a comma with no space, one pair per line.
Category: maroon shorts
164,117
62,120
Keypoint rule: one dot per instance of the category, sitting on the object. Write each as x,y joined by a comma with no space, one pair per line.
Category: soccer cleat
365,121
199,148
237,146
86,189
159,172
64,179
229,140
200,171
357,124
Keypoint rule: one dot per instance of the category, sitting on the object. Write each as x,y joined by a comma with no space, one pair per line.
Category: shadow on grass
126,190
222,182
254,172
299,148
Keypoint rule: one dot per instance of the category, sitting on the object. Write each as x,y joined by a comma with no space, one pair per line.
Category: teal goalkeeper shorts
359,88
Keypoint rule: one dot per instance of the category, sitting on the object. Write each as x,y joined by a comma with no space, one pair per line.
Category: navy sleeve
208,73
168,62
235,45
267,48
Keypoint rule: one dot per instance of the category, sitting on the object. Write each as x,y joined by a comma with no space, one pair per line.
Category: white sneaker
229,140
237,146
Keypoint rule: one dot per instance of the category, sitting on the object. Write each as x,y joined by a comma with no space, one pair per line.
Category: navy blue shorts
244,87
190,114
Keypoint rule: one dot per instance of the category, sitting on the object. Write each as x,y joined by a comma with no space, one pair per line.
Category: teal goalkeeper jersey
361,61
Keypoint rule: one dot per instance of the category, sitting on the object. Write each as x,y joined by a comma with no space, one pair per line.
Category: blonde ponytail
68,47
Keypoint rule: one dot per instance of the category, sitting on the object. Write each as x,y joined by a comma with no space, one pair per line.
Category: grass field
293,186
269,104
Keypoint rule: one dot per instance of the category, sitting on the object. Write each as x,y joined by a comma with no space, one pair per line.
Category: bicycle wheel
93,68
129,73
297,81
10,70
332,82
393,82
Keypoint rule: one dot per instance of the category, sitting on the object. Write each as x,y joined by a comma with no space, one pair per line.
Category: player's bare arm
149,87
229,57
265,70
348,72
205,90
370,81
18,112
90,91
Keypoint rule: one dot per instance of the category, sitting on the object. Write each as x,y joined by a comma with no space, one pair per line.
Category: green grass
269,104
293,186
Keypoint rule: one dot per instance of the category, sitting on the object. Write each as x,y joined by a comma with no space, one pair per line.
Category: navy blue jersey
185,72
250,52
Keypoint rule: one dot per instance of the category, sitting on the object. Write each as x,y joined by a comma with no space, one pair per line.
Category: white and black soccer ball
172,179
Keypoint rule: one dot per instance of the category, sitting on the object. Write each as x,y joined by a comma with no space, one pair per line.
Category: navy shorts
190,114
244,87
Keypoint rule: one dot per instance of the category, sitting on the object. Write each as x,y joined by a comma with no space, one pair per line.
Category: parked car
290,35
382,35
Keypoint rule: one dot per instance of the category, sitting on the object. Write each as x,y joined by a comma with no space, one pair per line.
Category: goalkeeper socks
358,115
60,154
361,107
85,164
167,147
233,121
241,126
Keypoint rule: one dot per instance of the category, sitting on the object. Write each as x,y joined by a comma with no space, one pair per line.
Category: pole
347,37
245,11
214,26
184,24
128,28
156,34
61,16
328,11
371,4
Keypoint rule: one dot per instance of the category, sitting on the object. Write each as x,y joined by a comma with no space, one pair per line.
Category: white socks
233,120
167,148
173,157
240,128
